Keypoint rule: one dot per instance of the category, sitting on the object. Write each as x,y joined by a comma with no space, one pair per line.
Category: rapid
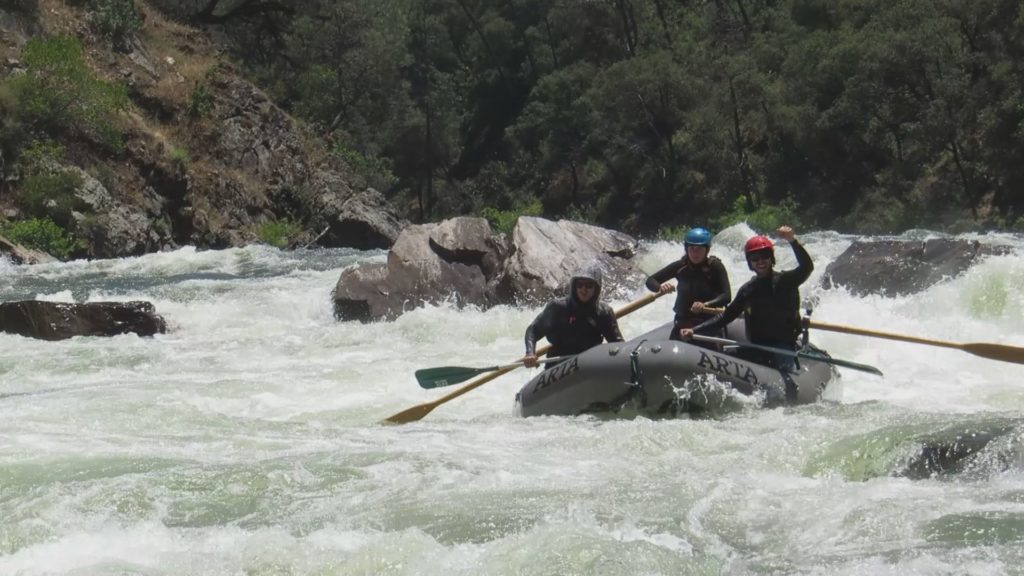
247,440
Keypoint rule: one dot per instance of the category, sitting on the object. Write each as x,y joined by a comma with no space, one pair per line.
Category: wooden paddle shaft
887,335
992,351
1002,352
864,332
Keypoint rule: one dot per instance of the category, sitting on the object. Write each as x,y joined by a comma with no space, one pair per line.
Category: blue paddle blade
838,362
448,375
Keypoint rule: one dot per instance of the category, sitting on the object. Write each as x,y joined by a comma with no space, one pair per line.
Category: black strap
635,392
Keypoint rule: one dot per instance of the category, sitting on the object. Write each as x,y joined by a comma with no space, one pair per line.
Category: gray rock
898,267
469,241
92,192
414,274
360,220
460,260
545,255
123,230
60,320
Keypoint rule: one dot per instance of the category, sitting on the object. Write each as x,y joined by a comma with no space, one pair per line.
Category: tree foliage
644,114
42,234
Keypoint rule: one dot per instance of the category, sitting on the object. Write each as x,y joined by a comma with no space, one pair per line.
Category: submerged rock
937,448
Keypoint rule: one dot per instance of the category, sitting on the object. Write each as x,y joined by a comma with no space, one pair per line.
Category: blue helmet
698,237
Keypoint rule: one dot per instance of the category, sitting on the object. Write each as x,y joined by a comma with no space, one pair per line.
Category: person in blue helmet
701,281
576,323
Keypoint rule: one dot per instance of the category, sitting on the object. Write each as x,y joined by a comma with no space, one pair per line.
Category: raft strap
635,392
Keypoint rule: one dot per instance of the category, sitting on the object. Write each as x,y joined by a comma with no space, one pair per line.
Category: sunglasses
758,257
586,284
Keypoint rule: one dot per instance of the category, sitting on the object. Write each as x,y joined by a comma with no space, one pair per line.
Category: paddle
448,375
1003,352
419,411
794,354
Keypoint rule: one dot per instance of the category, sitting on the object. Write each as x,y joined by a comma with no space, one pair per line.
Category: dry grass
184,57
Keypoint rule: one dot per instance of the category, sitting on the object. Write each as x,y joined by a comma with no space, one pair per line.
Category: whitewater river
245,441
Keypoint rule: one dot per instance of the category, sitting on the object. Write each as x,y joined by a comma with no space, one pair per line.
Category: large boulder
900,267
60,320
428,263
463,262
360,220
547,253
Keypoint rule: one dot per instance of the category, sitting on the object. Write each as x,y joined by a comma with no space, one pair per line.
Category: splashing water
246,440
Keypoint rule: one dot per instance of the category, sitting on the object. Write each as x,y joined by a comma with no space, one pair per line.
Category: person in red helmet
770,302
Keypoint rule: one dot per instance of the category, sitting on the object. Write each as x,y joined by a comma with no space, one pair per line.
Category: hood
592,272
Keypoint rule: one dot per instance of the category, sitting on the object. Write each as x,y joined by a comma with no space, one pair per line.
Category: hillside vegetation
863,115
641,115
125,131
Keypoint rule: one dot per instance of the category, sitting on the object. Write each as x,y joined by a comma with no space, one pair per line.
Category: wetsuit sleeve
804,267
721,280
610,326
539,328
654,281
731,312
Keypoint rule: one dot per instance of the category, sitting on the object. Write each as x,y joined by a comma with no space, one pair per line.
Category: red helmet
758,244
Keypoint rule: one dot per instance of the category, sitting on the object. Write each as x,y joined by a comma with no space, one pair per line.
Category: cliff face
206,158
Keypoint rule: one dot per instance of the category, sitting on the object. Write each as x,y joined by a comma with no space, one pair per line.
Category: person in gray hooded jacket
576,323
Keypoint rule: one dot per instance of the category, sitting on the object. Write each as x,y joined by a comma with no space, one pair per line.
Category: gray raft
655,376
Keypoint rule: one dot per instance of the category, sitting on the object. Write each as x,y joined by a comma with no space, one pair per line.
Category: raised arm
805,265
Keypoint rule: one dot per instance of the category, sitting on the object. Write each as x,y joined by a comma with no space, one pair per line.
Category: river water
246,441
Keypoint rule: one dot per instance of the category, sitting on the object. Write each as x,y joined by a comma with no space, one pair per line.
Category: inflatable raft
655,376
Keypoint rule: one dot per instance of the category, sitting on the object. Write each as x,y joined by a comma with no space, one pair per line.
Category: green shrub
43,234
280,234
586,213
47,190
376,170
877,213
58,92
763,219
180,156
51,194
201,103
504,221
115,19
12,133
41,156
671,233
